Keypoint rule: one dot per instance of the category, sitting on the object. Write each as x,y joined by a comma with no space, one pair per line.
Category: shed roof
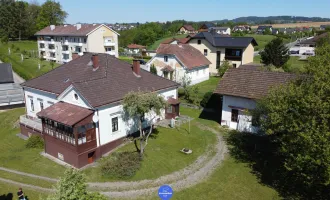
6,73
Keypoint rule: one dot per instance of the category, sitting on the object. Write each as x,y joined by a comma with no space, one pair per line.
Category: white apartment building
62,43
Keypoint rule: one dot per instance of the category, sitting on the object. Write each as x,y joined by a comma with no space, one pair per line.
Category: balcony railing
234,58
112,53
34,123
107,44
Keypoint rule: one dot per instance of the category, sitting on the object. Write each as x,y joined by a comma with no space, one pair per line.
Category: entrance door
91,157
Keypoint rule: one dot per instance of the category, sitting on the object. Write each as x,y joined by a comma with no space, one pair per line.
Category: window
234,65
205,52
199,41
108,49
85,40
41,105
32,104
76,96
218,59
165,58
165,75
169,109
237,53
234,115
114,124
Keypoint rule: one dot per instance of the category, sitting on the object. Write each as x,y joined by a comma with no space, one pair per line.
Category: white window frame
113,117
31,105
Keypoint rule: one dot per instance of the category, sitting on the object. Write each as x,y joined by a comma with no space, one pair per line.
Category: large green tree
72,186
139,105
51,13
297,115
275,53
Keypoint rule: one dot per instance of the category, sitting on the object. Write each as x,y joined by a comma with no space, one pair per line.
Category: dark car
142,62
292,52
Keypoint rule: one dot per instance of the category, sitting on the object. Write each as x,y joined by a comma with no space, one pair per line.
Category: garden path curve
194,174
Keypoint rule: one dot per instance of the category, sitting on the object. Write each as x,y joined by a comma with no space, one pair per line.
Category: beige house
219,48
186,29
60,43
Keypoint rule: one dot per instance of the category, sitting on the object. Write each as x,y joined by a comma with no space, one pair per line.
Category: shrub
181,92
223,68
35,142
121,165
206,98
153,69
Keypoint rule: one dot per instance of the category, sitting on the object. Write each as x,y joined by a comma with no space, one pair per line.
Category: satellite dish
95,118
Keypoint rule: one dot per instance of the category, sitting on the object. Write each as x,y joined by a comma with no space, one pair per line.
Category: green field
294,64
29,67
155,45
9,192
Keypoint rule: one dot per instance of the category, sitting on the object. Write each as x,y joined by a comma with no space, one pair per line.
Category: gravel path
194,174
26,185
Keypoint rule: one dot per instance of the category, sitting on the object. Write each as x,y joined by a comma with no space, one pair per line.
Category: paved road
17,78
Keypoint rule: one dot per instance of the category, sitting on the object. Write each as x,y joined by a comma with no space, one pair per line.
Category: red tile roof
188,55
65,113
252,84
109,83
68,30
188,27
135,46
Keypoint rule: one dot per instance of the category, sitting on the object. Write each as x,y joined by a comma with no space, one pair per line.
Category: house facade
262,29
221,30
206,26
240,89
242,28
135,49
61,43
176,61
77,108
217,49
186,29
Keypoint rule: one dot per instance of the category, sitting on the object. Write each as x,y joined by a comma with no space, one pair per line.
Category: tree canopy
73,186
297,115
275,53
51,13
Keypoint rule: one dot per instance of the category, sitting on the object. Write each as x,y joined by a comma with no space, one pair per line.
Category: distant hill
274,19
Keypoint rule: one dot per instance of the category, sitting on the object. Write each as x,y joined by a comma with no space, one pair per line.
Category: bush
181,92
35,142
206,98
121,165
223,68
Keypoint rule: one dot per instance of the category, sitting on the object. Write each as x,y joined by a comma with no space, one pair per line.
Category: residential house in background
323,27
262,29
186,29
221,30
11,93
174,61
77,107
241,28
282,30
240,88
275,31
136,49
176,40
61,43
205,27
290,31
219,48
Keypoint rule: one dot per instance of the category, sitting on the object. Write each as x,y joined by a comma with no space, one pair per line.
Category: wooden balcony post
75,136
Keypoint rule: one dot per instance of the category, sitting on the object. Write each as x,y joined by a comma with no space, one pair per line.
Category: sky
112,11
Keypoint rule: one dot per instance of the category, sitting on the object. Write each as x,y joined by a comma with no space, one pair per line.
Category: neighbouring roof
264,27
70,30
179,40
109,83
220,28
315,39
274,31
218,40
135,46
188,55
6,73
207,25
11,93
65,113
188,27
251,66
252,84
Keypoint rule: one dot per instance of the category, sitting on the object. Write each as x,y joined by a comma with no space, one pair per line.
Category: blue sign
165,192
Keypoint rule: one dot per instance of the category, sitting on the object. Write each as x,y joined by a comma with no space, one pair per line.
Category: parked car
142,62
293,52
308,53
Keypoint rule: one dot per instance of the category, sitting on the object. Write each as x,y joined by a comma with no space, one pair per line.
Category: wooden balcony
233,58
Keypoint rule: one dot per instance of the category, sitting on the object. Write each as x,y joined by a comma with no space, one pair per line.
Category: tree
139,105
267,31
190,92
51,13
153,69
223,68
275,53
73,186
297,116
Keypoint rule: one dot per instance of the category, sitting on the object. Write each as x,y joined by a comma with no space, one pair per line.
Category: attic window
76,96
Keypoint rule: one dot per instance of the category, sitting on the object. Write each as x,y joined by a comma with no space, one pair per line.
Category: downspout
98,132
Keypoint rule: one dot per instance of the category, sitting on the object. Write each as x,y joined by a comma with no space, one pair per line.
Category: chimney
95,60
52,27
75,56
136,67
78,26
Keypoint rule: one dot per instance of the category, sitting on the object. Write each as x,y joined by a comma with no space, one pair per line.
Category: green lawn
29,67
9,192
162,154
14,155
295,65
209,85
155,45
262,40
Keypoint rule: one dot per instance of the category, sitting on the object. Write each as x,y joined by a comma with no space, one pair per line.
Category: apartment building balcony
30,122
42,49
66,51
112,53
52,50
51,41
41,41
80,44
80,53
65,43
109,44
65,60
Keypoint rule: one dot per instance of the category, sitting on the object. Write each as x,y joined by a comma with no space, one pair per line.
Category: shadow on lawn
260,153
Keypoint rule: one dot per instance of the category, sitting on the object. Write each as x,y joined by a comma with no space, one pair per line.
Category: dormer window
76,96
